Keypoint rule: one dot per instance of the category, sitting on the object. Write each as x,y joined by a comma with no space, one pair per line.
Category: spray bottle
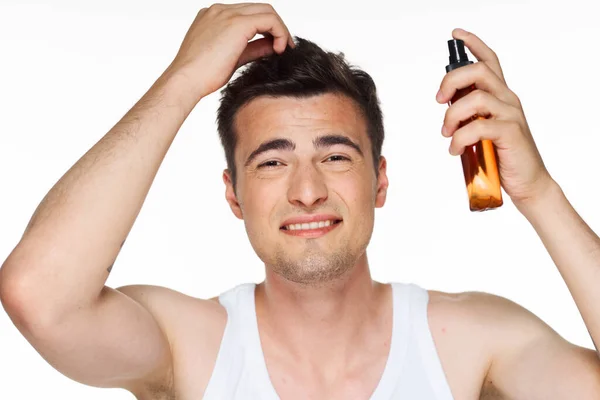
479,161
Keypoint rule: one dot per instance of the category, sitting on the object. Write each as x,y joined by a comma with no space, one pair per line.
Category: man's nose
307,187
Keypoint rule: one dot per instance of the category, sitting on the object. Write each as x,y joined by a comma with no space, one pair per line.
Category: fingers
271,23
255,9
480,50
482,76
256,49
240,5
501,133
479,103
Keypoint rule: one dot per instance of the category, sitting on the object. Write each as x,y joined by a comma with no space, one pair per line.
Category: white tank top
413,369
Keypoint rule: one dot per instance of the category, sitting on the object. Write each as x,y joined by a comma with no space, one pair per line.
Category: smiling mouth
311,232
311,226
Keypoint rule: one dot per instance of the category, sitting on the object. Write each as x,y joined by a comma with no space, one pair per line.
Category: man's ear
382,183
230,195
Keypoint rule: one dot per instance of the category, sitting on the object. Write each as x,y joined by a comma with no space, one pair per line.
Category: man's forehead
266,117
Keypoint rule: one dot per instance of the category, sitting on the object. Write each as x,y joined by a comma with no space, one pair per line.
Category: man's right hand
217,43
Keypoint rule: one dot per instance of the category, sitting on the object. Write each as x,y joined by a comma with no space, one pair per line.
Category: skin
334,180
324,324
321,285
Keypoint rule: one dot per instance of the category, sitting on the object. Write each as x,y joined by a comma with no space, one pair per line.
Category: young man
302,134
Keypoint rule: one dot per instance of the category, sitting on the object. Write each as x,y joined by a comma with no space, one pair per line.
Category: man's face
303,160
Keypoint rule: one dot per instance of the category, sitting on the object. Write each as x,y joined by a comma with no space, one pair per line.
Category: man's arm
52,284
574,248
533,361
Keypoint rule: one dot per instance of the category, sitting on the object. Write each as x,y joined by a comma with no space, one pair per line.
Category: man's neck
329,325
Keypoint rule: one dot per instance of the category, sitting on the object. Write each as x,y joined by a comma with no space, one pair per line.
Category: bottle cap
458,55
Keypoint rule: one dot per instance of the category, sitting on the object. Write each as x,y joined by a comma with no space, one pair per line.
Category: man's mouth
311,229
306,226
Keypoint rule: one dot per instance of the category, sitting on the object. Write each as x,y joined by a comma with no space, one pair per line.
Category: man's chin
311,268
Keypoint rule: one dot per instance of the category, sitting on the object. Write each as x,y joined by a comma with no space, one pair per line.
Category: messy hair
303,71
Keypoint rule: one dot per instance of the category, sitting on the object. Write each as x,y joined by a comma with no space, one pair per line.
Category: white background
69,71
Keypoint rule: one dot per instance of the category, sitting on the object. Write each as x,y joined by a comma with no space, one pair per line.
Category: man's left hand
523,174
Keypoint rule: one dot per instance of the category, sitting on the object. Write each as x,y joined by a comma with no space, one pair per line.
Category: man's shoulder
476,330
485,311
471,301
525,355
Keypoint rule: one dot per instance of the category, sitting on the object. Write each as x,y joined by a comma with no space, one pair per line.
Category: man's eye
269,164
338,158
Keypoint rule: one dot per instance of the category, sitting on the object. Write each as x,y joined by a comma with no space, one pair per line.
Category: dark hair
303,71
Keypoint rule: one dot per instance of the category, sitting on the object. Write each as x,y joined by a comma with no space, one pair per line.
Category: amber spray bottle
479,161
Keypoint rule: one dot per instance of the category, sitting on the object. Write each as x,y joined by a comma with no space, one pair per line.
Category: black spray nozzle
457,51
458,55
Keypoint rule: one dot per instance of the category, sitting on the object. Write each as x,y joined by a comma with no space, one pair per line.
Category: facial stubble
315,265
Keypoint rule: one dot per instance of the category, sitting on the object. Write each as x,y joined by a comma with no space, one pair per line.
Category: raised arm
53,283
530,360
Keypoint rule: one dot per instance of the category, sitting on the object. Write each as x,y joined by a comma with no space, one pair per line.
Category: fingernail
444,130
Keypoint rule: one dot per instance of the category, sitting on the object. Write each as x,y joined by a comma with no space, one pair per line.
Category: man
302,134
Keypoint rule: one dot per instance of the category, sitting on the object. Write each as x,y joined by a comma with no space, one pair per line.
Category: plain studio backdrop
70,70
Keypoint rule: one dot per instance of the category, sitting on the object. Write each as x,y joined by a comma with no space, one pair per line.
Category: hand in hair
218,42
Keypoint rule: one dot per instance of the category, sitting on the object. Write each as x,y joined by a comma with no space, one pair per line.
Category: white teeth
311,225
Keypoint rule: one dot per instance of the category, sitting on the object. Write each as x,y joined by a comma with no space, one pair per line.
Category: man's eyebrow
286,144
331,140
275,144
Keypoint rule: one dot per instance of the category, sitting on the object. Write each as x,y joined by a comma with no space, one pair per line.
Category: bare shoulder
486,312
469,328
514,341
494,316
460,328
193,327
493,320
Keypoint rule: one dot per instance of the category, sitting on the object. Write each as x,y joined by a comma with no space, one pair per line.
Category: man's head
302,133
